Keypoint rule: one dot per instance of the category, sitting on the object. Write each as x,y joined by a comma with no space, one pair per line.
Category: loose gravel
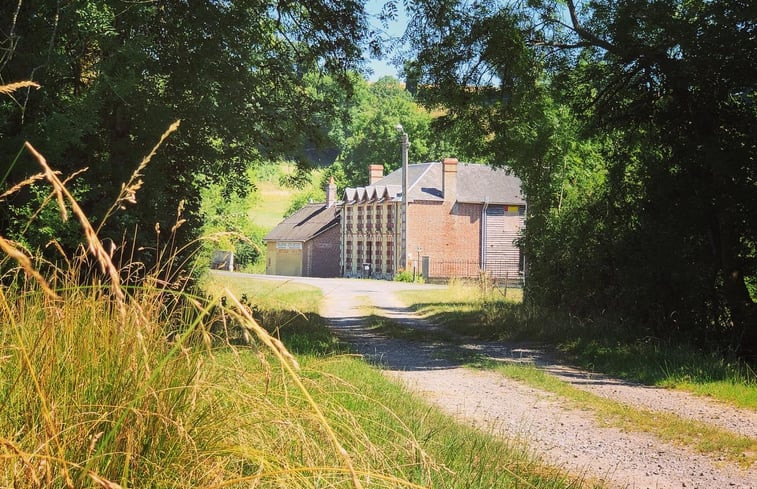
561,434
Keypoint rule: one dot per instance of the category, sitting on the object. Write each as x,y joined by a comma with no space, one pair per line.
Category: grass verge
403,438
595,347
706,439
380,423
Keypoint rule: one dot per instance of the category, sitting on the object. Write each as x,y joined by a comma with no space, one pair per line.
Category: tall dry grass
112,388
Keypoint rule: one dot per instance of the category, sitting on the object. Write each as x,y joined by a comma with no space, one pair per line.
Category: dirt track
564,436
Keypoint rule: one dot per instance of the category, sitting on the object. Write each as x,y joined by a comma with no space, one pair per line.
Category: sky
383,67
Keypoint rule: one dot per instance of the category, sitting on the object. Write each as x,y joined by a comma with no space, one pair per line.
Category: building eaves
306,223
475,184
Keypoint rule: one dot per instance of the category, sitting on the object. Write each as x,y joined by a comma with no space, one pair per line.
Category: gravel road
564,436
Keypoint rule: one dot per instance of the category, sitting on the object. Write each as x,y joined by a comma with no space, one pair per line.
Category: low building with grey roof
307,243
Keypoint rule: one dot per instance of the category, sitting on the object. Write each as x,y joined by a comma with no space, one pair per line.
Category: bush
408,276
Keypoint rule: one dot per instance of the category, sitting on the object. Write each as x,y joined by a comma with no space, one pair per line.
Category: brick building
461,219
307,242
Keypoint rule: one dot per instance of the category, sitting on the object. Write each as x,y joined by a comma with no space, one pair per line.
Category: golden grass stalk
8,247
94,245
51,177
46,410
49,198
20,185
129,189
104,483
12,87
319,470
290,364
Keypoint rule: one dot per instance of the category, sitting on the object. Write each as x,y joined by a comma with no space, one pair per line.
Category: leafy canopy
115,74
632,124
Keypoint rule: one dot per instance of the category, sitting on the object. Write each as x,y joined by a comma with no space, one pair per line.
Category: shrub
408,276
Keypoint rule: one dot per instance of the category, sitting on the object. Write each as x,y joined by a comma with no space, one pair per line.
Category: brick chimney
376,173
330,192
449,179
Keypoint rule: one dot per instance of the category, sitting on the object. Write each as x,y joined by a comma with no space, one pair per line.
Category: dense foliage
633,126
371,137
114,74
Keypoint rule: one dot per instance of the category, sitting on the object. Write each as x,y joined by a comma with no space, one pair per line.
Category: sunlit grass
596,347
99,399
466,308
400,436
410,431
266,294
275,199
675,367
706,439
728,390
380,422
273,203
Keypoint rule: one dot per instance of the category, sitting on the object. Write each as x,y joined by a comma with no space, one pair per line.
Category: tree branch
11,38
588,36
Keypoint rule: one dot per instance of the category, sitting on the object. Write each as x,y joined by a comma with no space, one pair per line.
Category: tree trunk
739,303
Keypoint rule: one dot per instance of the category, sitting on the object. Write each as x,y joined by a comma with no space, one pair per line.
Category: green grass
593,346
380,423
282,307
266,294
275,198
468,309
389,428
677,367
273,203
93,389
704,438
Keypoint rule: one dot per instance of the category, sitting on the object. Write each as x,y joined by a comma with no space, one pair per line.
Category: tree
115,74
662,96
370,136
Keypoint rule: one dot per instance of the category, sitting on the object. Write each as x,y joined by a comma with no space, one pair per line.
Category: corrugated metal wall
501,229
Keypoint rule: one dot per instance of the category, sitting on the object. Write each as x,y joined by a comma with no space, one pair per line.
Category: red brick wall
322,255
444,231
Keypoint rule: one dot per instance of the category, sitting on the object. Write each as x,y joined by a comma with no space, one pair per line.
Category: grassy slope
274,201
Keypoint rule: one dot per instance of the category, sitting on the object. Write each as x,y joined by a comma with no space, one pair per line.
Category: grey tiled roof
310,221
482,183
475,183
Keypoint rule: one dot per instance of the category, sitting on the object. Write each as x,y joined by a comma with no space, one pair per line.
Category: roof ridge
420,177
